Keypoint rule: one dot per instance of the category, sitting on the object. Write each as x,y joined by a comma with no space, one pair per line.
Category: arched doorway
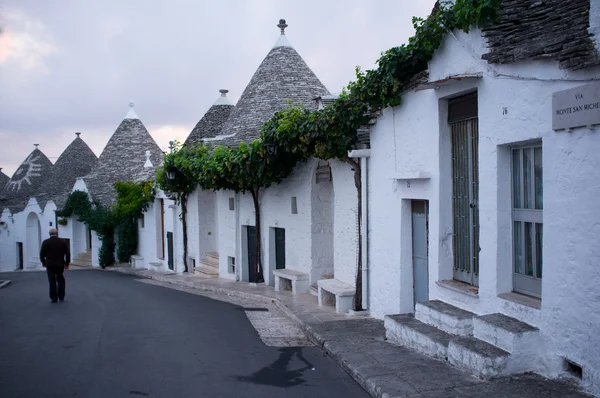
33,240
322,216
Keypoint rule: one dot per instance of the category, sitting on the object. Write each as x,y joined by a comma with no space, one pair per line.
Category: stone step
478,357
82,263
210,261
212,255
507,333
207,270
406,331
445,317
314,290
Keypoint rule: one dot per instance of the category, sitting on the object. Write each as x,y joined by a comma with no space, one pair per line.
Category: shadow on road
277,374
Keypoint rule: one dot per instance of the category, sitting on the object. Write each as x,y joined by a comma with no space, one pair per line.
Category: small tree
177,175
247,168
325,134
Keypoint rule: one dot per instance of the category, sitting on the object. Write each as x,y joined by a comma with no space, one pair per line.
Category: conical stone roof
122,159
26,181
282,77
77,160
3,180
212,122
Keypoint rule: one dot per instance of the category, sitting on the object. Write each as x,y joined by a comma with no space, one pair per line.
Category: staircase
486,346
209,266
83,259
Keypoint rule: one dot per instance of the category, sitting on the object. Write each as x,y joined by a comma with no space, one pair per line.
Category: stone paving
358,345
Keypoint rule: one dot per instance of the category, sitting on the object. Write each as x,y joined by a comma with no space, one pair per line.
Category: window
143,221
527,218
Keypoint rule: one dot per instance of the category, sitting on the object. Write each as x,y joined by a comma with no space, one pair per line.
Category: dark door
420,244
170,250
252,254
162,228
279,248
89,239
19,255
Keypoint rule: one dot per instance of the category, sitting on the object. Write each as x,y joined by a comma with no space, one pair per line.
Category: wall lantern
171,173
271,149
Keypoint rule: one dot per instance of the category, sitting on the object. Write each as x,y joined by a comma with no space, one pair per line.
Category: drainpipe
238,238
364,154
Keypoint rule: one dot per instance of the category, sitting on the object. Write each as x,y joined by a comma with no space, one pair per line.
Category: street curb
313,336
4,283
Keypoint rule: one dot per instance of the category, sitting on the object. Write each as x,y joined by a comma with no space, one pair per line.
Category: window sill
522,299
460,287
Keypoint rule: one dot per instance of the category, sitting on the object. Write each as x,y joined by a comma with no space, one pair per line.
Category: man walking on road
55,256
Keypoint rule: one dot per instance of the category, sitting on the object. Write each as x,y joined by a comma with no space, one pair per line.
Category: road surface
116,337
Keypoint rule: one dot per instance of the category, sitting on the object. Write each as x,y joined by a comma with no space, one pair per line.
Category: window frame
530,285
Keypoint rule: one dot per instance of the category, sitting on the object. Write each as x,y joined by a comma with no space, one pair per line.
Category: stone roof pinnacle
282,41
282,25
131,114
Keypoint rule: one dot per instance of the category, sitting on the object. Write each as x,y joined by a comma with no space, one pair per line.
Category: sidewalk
358,345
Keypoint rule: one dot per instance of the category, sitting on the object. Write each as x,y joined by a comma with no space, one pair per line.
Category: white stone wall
276,212
8,247
515,103
207,222
345,240
17,229
227,238
322,213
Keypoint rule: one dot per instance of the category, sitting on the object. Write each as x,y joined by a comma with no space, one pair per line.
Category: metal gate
465,187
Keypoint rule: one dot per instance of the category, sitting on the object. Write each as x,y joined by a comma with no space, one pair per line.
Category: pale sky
74,65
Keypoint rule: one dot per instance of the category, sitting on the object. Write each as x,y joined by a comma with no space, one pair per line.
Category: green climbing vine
296,134
132,200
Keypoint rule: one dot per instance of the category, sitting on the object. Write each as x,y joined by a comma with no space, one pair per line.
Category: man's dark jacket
55,252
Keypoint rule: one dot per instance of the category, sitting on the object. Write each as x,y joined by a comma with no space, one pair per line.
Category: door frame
425,204
464,137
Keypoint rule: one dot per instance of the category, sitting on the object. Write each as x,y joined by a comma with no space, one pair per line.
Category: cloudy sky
74,65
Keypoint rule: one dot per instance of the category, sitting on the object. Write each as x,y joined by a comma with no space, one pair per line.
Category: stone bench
137,261
286,279
334,292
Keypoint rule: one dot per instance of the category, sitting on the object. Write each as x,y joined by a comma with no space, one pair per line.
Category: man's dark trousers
57,282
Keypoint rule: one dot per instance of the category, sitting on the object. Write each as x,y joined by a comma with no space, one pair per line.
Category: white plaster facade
27,229
411,159
321,238
153,229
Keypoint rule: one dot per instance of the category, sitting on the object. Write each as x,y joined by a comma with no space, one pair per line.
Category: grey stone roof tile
543,30
122,159
25,182
282,78
3,180
212,122
77,160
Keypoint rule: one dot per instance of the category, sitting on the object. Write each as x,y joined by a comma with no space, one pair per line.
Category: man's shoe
61,300
54,301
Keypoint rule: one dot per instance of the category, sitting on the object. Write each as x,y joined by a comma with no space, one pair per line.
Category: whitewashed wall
227,237
345,240
8,247
322,228
513,107
150,239
276,212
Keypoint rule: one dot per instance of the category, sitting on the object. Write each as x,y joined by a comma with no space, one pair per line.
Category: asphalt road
115,337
